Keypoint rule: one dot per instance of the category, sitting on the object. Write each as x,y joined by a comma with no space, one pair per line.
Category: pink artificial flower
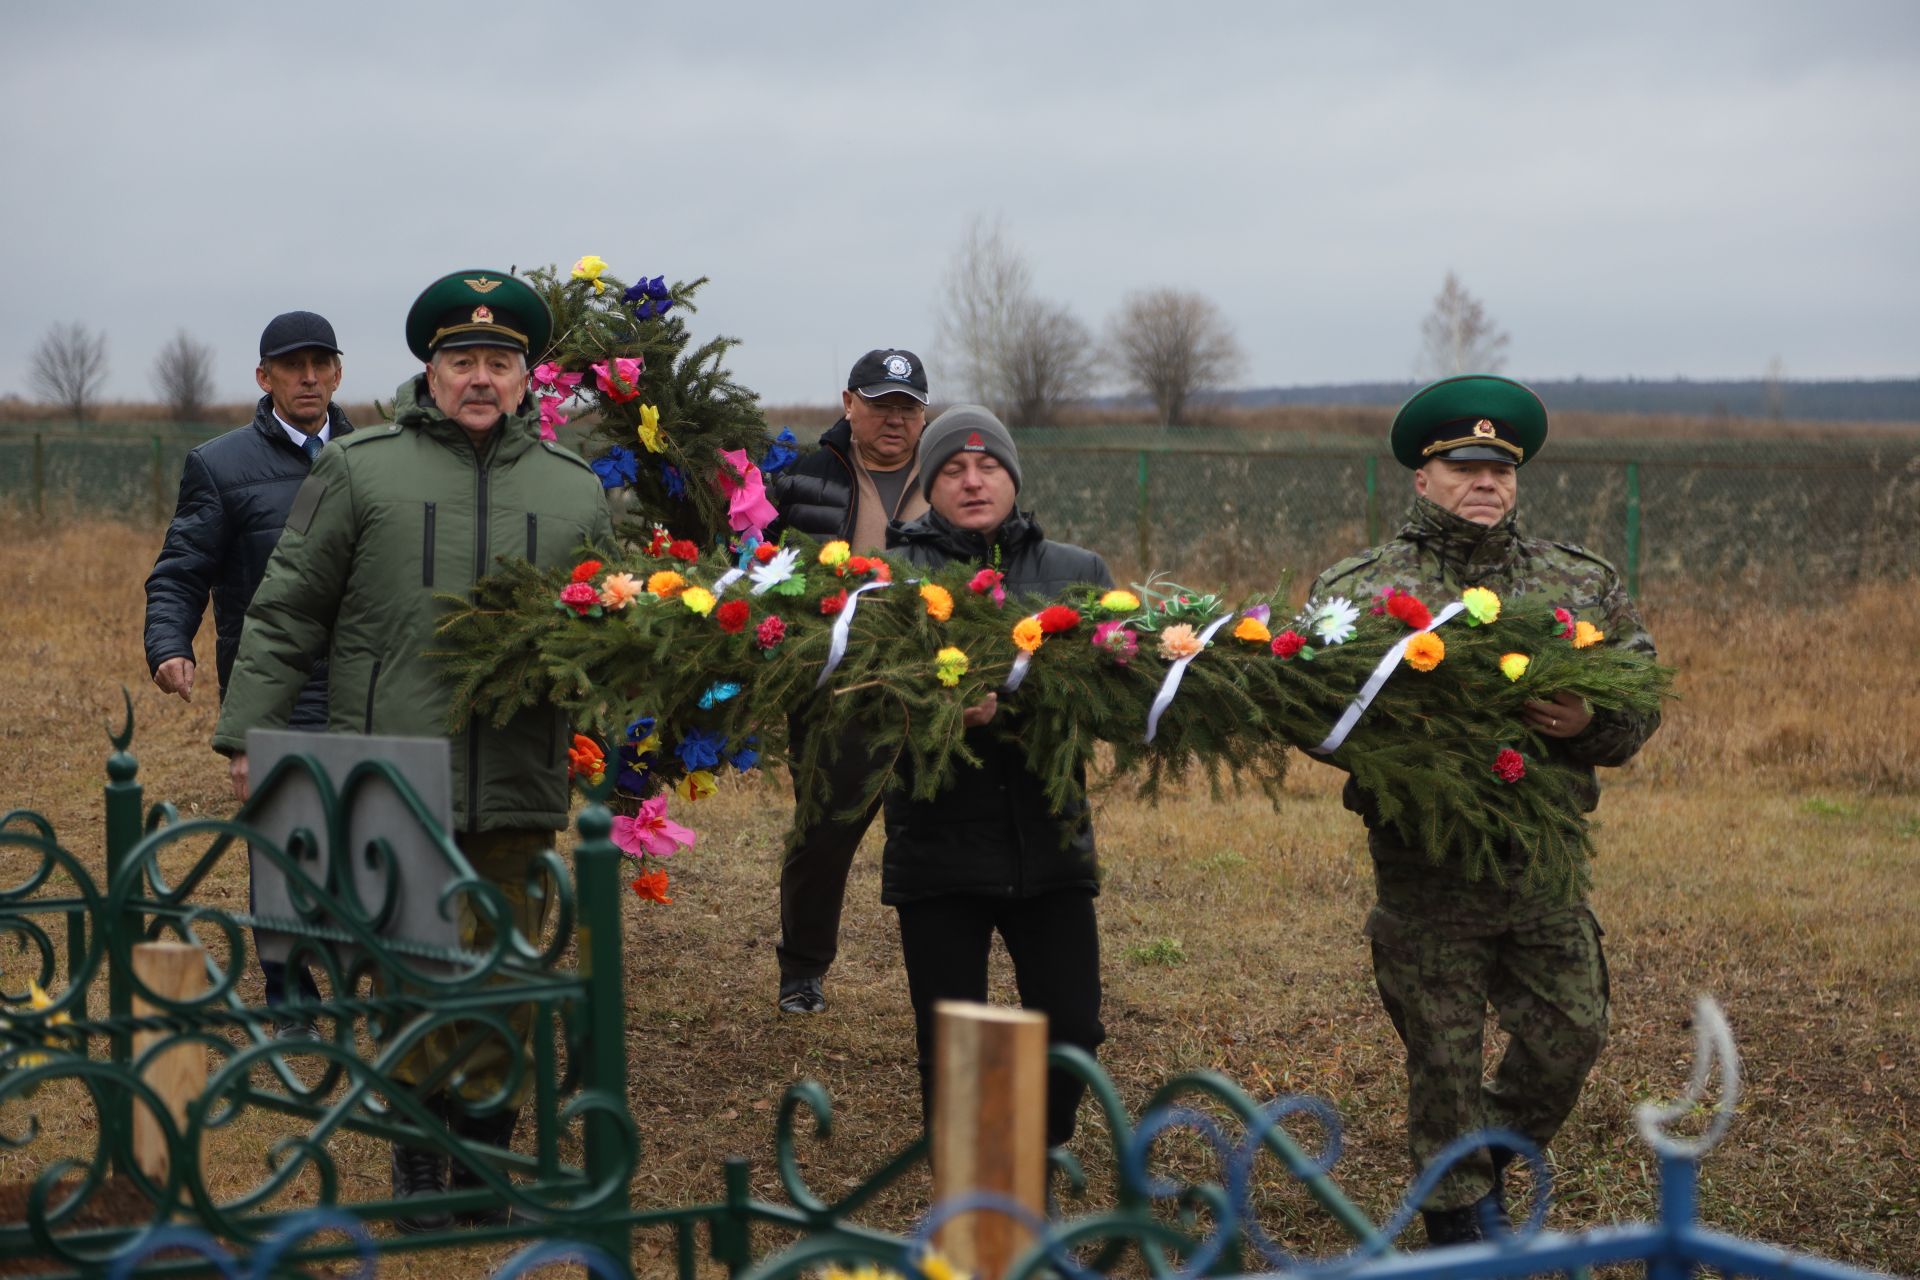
1509,765
579,596
987,582
550,416
748,510
550,375
621,382
1565,618
1119,641
651,831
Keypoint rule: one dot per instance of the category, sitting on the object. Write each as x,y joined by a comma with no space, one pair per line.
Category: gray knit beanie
967,427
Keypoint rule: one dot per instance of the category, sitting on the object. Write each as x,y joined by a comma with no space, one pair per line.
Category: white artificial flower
774,572
1333,621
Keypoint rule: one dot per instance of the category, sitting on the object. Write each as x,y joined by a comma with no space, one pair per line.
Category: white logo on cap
899,367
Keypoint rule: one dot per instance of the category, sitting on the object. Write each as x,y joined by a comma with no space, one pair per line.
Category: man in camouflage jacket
1444,947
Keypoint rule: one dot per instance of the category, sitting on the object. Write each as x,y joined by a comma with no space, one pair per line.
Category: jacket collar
839,438
1016,532
513,435
269,426
1468,552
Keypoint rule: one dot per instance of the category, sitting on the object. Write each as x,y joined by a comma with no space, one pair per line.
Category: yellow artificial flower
935,1265
589,268
1585,633
1483,606
697,785
1252,629
649,428
1514,665
1179,641
949,665
698,599
666,584
1028,635
1119,601
1425,650
647,745
939,602
835,552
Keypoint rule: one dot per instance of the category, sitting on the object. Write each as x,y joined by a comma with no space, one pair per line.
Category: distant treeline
1880,400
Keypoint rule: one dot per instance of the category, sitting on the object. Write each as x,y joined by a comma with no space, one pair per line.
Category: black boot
421,1171
1490,1210
1451,1226
494,1130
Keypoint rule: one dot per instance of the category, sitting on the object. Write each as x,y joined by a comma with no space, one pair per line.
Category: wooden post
989,1127
177,971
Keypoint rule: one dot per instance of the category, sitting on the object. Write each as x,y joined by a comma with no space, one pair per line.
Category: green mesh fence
1213,506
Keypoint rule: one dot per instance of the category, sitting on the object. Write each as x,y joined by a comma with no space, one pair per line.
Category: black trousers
813,879
1055,946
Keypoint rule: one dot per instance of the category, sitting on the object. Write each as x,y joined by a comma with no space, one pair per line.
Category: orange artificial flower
939,600
1252,629
619,591
1585,633
586,760
1425,650
1027,634
652,886
666,584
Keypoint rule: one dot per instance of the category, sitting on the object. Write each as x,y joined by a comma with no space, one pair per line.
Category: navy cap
294,330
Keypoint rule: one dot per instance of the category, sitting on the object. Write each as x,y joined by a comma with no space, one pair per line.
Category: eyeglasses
897,406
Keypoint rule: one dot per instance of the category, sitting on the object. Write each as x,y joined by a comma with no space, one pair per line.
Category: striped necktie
312,445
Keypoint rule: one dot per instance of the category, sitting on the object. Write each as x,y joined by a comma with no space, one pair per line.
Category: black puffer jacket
234,495
817,494
991,831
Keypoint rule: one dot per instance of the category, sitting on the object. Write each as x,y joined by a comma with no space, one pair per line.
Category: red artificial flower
1057,617
1288,643
985,581
858,564
683,549
732,616
1565,618
1509,765
770,632
586,569
579,597
1405,606
652,886
834,603
657,544
881,572
765,552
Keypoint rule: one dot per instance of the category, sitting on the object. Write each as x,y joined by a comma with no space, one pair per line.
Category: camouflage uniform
1445,947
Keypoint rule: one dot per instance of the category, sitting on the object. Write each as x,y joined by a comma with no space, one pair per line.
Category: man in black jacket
987,854
234,495
861,478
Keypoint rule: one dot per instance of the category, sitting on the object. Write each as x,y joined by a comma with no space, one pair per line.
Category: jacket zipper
533,537
480,466
426,550
373,682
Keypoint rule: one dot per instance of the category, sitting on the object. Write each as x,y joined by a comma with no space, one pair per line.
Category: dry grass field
1764,848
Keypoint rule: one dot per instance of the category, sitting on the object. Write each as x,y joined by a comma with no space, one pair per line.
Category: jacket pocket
426,548
373,684
533,537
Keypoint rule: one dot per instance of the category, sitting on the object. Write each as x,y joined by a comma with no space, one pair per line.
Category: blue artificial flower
648,298
670,477
743,550
781,453
746,757
639,729
699,749
717,694
616,467
634,775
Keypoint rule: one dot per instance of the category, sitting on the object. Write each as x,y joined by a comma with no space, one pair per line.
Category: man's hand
1564,717
175,675
981,712
237,771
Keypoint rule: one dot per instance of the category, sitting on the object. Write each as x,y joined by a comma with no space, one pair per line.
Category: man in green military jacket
1444,947
388,520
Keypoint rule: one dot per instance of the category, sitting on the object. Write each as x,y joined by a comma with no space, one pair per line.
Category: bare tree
1169,345
1774,383
1458,337
1019,355
183,375
68,367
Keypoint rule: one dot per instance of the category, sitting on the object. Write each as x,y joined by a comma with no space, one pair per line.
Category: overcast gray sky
1632,188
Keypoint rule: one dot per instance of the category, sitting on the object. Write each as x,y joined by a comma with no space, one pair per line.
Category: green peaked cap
1472,416
479,308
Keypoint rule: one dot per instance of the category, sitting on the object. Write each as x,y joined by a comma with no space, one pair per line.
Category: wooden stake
178,971
989,1127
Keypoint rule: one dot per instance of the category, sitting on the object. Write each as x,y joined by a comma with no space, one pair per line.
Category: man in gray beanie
965,428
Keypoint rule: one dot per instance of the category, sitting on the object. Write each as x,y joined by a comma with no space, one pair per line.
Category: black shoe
1490,1215
1451,1226
294,1029
419,1172
802,995
486,1131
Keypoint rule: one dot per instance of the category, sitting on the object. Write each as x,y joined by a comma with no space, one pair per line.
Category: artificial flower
619,378
1483,606
672,481
666,584
1288,643
615,467
698,599
1425,650
648,430
1406,606
589,268
939,601
619,591
1118,601
748,510
859,566
776,571
649,298
1056,618
580,597
781,453
640,732
684,549
830,605
732,616
697,785
1119,641
1333,621
1029,634
764,552
746,757
949,665
657,544
652,886
650,831
1509,765
586,569
551,417
586,760
699,749
835,552
1565,618
1585,633
717,693
882,571
1252,630
1179,641
987,582
550,374
770,632
1514,665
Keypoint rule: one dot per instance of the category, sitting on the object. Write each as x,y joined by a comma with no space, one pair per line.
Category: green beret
478,309
1472,416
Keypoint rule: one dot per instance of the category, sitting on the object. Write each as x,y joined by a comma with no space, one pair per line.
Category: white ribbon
727,579
1171,685
1376,682
841,626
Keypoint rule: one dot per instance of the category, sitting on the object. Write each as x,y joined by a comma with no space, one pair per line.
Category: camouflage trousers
1546,980
506,859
